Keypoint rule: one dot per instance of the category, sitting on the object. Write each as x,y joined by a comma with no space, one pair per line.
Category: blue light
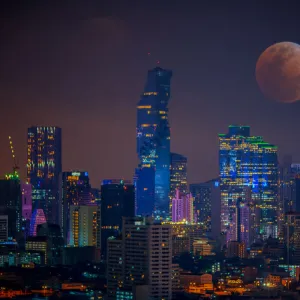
86,174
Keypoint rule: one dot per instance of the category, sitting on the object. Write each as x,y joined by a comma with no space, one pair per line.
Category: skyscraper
43,168
248,161
11,204
153,146
26,200
83,225
143,256
182,207
178,174
207,196
117,201
75,190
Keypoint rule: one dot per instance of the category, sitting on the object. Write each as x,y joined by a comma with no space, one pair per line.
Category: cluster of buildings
140,227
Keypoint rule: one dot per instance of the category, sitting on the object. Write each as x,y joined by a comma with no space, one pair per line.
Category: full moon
278,72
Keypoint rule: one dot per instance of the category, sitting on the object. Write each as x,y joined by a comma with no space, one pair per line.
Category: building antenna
15,163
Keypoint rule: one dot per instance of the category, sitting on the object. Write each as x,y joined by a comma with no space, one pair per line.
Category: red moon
278,72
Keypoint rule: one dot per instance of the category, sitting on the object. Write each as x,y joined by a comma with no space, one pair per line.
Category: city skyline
212,87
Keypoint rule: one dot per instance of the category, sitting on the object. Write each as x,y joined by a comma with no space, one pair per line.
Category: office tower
117,201
178,174
115,264
11,204
43,168
248,161
83,225
75,187
182,207
38,217
292,237
145,253
207,196
240,225
3,228
153,146
26,200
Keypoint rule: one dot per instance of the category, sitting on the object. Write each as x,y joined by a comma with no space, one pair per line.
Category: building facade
249,161
11,204
44,164
178,174
207,195
117,201
145,253
152,178
183,207
75,189
26,200
38,217
83,225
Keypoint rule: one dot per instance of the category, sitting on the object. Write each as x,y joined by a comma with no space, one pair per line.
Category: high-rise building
3,228
248,161
117,201
240,226
75,187
153,146
178,174
207,195
38,217
292,237
26,200
83,225
11,204
145,256
182,207
44,165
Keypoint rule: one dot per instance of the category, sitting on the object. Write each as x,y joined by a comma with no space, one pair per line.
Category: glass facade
248,164
153,146
43,168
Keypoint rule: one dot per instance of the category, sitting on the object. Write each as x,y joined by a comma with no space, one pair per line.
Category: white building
146,258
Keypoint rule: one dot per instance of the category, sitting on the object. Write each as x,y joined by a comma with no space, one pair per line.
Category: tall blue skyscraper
153,146
43,168
248,170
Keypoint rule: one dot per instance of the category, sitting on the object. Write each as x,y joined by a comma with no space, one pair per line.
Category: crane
15,163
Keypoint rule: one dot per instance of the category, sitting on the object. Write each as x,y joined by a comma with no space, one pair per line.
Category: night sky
82,65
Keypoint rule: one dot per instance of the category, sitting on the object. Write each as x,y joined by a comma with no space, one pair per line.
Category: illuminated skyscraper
76,190
153,146
182,207
178,174
83,225
207,205
248,161
43,168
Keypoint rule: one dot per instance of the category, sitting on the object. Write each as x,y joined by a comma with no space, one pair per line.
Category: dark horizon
85,72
